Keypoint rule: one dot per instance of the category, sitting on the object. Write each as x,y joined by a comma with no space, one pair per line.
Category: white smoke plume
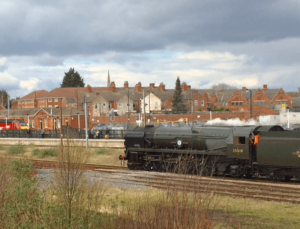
231,122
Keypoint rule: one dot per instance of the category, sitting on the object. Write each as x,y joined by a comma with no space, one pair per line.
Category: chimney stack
89,89
138,87
152,85
113,86
162,87
265,87
185,87
126,85
244,89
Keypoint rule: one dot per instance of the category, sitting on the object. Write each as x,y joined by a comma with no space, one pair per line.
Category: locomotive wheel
147,166
208,169
159,166
199,170
286,178
186,167
170,167
131,167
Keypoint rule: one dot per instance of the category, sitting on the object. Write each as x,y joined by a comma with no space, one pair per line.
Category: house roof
65,92
295,102
34,95
293,94
20,112
66,111
271,93
166,95
71,100
110,96
25,112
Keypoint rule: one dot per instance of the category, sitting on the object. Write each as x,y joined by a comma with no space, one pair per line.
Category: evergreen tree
177,104
3,98
72,79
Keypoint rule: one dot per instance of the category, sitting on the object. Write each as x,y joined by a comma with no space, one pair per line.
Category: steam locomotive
216,150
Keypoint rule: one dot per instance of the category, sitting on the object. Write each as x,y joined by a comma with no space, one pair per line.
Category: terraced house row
39,108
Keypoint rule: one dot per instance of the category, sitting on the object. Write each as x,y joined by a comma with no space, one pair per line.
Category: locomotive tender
216,150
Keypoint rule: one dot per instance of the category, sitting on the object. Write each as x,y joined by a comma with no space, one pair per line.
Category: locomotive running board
148,150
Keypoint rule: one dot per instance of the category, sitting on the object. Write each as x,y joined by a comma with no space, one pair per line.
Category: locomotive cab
238,143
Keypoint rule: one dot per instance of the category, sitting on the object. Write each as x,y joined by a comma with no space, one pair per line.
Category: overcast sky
204,42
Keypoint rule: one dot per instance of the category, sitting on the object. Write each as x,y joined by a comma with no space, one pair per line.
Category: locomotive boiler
215,150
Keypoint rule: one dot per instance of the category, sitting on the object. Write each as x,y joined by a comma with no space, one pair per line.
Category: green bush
101,151
44,153
16,149
222,109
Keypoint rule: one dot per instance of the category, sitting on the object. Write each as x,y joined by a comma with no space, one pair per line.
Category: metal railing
67,133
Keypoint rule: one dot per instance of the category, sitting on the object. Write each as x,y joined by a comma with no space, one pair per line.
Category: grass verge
16,149
101,151
41,153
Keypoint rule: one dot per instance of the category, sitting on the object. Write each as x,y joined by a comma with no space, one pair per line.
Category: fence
67,132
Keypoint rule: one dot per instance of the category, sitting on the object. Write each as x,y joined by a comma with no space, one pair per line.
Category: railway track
267,191
277,192
42,164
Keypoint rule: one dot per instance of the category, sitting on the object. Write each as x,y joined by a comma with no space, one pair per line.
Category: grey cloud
92,27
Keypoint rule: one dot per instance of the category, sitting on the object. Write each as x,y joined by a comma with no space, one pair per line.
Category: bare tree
70,178
223,86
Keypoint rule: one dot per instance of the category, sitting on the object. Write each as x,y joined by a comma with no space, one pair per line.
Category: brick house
2,108
32,100
47,118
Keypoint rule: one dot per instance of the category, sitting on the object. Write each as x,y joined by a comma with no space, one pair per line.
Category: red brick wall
260,96
282,96
237,97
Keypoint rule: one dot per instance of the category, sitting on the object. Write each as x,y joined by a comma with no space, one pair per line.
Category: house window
49,105
156,104
67,122
32,124
233,104
56,100
46,124
96,106
49,100
196,102
58,123
120,105
202,103
104,104
241,103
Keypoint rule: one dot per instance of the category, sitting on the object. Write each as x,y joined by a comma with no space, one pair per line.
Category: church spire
108,79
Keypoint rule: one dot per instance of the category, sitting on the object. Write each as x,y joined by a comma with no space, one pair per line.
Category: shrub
16,149
101,151
222,109
44,153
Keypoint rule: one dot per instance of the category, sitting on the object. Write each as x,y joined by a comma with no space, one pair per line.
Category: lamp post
78,122
144,108
128,104
251,108
28,121
86,122
61,133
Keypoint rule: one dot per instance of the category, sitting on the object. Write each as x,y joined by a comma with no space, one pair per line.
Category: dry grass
152,208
